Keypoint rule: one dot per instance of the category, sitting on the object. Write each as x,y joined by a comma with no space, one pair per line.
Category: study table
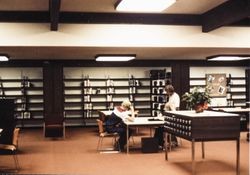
142,121
138,121
202,127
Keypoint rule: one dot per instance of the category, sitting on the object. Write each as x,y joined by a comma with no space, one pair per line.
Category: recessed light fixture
114,57
4,57
143,6
228,58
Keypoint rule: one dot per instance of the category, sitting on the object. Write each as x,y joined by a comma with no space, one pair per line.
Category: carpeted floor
77,154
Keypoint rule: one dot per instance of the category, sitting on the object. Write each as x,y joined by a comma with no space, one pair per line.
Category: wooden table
201,127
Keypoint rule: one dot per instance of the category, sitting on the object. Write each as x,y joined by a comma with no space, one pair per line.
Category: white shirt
123,114
173,102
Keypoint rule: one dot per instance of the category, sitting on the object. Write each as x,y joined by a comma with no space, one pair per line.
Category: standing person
172,104
115,123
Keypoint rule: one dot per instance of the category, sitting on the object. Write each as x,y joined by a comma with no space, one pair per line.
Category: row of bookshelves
84,97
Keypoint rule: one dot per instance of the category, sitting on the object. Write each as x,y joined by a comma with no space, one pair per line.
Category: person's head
126,104
169,90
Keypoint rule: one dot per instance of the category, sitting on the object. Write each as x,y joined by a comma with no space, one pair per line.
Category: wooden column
53,90
180,79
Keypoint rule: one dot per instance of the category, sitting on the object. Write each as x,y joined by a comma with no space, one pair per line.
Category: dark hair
169,88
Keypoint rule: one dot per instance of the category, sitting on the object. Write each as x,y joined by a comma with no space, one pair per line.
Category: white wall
112,72
122,35
202,71
18,73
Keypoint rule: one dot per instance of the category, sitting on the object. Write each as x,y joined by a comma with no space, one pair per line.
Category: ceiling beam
99,18
25,16
243,23
227,13
130,18
54,9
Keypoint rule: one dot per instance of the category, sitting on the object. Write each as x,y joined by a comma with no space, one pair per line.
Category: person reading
115,122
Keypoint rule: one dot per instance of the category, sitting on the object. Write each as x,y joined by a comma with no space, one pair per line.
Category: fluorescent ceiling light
144,6
115,57
228,58
4,58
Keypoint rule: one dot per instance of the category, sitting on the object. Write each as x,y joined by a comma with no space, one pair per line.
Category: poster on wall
217,83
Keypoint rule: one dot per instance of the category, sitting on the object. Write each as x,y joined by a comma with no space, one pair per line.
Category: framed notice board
217,83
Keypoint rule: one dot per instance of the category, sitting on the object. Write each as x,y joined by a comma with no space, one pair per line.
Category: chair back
102,116
100,126
15,136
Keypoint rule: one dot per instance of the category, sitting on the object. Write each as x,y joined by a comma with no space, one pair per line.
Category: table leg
166,145
170,142
238,156
203,150
127,139
193,157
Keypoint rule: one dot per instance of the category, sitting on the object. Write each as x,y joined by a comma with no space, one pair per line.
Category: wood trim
133,63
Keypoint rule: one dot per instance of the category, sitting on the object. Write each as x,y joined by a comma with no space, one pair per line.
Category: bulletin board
217,83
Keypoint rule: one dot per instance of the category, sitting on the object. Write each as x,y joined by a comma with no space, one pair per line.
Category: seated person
115,123
172,104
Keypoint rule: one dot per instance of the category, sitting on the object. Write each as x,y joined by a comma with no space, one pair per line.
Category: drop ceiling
183,12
